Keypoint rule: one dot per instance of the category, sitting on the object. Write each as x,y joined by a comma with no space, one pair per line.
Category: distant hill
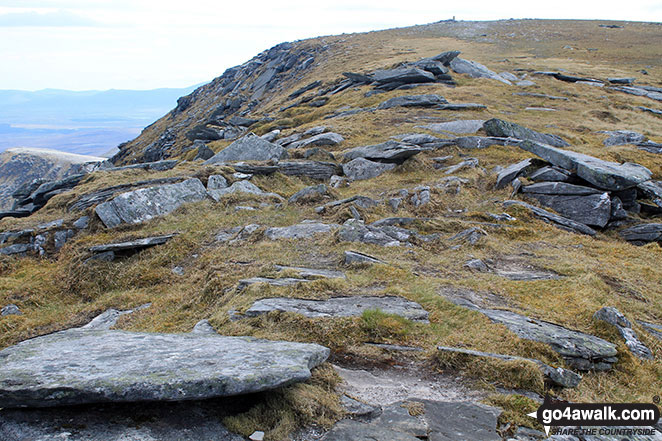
19,166
88,122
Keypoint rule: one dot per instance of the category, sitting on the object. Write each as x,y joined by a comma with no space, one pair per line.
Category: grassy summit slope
62,291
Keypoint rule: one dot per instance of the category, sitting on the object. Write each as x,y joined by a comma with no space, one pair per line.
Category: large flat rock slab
602,174
506,129
80,366
139,206
341,307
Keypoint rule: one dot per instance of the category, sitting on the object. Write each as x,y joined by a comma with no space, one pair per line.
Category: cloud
45,19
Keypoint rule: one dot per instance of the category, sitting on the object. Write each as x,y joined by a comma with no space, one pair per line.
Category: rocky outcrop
112,250
505,129
249,148
556,376
475,70
413,101
562,222
613,316
142,205
386,235
341,307
81,366
20,167
643,233
389,151
602,174
361,168
303,230
581,204
581,351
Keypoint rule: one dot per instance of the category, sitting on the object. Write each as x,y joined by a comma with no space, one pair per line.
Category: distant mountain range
88,122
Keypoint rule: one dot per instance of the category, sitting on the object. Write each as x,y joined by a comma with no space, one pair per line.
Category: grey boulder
352,257
309,194
10,309
513,171
560,221
361,168
249,148
341,307
602,174
622,137
132,245
402,75
80,366
454,421
505,129
141,205
581,204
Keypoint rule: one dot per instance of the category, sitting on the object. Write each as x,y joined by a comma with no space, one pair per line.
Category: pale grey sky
146,44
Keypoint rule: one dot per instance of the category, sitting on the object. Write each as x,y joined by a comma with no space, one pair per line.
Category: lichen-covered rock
249,148
643,233
80,366
580,350
475,70
430,100
303,230
341,307
138,206
361,168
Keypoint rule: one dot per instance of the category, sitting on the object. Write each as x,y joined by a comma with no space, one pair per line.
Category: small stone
216,182
178,271
10,309
257,436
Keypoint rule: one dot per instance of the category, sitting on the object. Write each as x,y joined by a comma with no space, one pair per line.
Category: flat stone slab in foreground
79,366
341,307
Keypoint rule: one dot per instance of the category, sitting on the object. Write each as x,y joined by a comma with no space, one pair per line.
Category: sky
147,44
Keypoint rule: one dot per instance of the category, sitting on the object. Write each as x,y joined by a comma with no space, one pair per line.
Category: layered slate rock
513,171
560,221
389,151
581,351
581,204
129,247
643,233
557,376
602,174
320,139
384,235
351,430
303,230
249,148
457,127
313,169
652,190
80,366
361,168
309,194
475,70
341,307
429,100
505,129
615,318
402,76
138,206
